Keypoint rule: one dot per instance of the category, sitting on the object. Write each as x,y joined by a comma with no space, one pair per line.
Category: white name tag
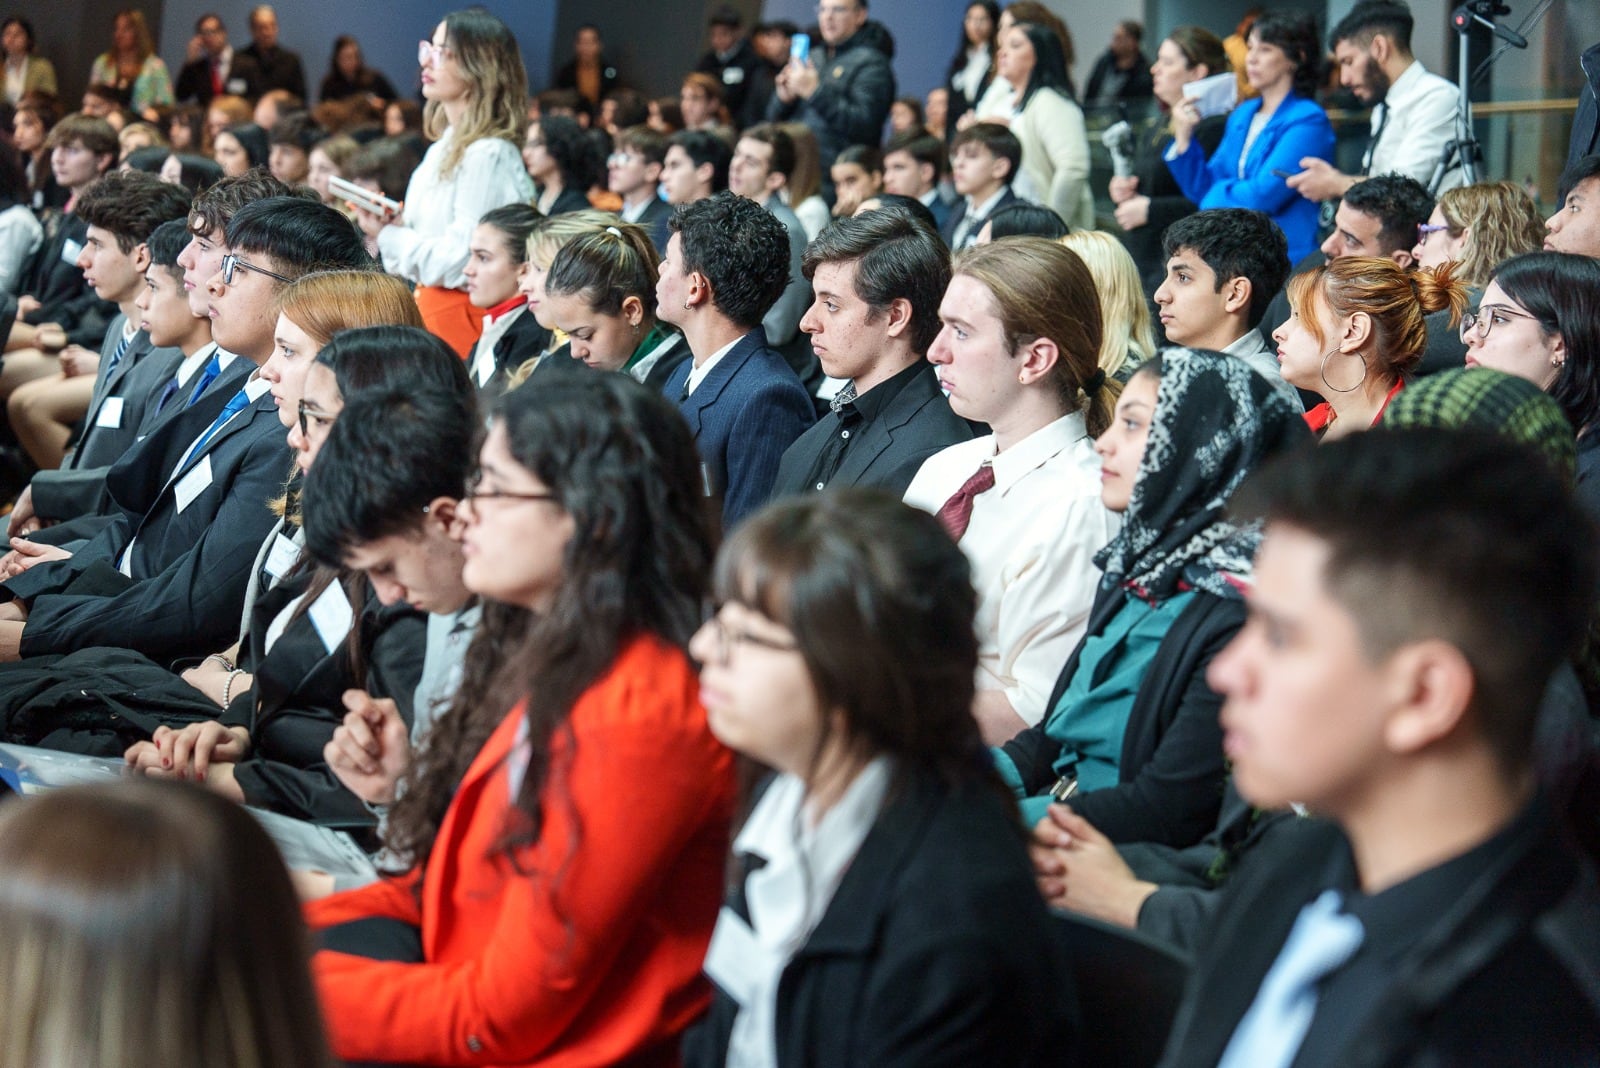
110,414
193,484
732,75
283,555
331,615
237,86
71,251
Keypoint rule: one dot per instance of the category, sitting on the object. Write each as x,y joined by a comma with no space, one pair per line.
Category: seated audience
562,161
1355,332
1130,736
1224,267
1379,219
856,174
633,172
348,74
763,158
803,193
700,99
1126,340
914,163
1378,684
842,656
194,173
25,73
1266,137
601,293
328,158
241,148
726,265
1536,321
496,263
878,279
695,166
131,67
570,810
169,913
289,154
1018,351
1021,218
545,241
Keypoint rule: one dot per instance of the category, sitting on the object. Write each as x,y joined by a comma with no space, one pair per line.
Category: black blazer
654,220
935,950
295,703
522,342
888,450
569,200
959,212
189,566
1505,976
1171,769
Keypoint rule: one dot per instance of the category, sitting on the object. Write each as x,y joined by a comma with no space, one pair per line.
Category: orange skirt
449,315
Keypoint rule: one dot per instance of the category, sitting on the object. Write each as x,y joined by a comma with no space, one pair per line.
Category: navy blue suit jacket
749,409
189,565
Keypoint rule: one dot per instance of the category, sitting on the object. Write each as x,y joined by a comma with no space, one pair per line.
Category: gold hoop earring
1322,373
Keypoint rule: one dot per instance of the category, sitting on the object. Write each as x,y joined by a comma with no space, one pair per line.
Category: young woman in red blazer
570,849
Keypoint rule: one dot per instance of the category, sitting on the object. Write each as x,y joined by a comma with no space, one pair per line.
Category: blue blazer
1299,128
749,409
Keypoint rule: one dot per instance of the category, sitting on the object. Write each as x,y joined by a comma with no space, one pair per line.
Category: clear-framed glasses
727,639
428,52
1481,320
232,263
1427,230
620,159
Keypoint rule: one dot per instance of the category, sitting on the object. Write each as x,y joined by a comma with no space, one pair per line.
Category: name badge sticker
283,555
193,484
110,413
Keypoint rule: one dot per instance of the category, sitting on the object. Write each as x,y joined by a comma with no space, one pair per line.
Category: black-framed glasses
307,413
1427,230
1480,320
476,492
727,639
231,263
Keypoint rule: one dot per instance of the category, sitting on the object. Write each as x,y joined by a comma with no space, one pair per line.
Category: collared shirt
787,896
1253,350
1031,541
846,424
496,321
967,230
698,374
449,635
1421,120
191,364
634,212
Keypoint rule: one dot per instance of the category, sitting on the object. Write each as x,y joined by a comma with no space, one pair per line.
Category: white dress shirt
698,374
1421,120
440,213
1031,543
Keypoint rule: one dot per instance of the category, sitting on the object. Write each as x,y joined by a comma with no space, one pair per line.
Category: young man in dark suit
168,575
1415,592
983,163
633,172
726,265
878,280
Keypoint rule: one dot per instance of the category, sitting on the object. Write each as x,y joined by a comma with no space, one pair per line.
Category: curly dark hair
740,248
621,461
575,151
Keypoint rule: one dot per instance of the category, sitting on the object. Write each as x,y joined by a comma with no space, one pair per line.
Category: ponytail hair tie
1096,380
613,231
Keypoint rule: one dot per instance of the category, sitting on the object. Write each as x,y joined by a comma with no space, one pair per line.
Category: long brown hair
1044,290
150,922
1504,221
620,460
492,64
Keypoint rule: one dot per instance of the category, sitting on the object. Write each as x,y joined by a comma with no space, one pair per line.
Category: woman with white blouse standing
477,89
1048,122
1019,351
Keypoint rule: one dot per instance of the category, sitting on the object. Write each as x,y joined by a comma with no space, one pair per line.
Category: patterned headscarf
1216,421
1512,407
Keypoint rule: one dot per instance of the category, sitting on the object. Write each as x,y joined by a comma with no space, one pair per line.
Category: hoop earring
1322,373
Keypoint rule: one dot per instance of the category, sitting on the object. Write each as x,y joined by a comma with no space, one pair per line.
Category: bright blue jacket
1299,128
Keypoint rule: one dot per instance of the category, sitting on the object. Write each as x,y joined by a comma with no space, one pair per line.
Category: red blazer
585,951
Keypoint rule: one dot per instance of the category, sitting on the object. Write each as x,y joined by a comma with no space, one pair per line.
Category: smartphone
1281,174
800,48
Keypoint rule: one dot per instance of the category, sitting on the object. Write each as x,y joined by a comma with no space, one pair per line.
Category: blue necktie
209,375
167,392
1272,1031
116,356
235,405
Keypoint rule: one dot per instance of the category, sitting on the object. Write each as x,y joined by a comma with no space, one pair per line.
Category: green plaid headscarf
1489,400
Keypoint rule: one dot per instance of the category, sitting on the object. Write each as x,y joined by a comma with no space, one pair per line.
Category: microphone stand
1465,146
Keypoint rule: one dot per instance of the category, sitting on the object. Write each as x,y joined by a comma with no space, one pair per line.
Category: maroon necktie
957,511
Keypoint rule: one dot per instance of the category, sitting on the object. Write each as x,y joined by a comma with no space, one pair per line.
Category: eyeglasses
476,493
620,159
428,52
1481,321
727,639
231,263
533,143
307,413
1424,230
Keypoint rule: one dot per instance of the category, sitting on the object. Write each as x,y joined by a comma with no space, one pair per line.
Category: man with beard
1413,111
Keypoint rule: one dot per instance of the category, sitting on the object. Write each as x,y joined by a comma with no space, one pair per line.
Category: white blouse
440,213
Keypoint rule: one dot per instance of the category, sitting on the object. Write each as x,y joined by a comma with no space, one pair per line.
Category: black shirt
847,422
